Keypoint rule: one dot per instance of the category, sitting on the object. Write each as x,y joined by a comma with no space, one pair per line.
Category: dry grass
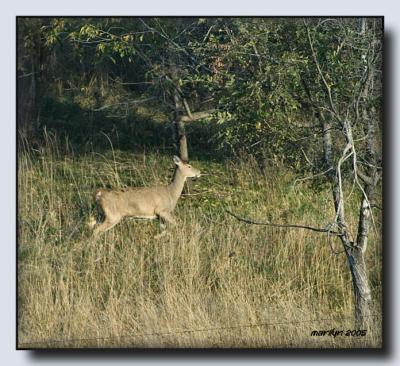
209,274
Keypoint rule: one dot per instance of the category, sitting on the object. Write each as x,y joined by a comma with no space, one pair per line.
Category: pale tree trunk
360,277
370,181
355,252
361,288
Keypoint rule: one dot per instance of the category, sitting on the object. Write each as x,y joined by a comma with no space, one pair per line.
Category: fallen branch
197,115
249,221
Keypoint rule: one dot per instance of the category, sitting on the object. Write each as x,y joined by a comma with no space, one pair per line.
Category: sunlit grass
210,272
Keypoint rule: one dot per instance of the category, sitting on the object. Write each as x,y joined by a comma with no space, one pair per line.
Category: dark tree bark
180,128
29,77
180,131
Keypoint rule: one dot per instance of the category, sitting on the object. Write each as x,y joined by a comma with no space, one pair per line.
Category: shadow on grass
84,130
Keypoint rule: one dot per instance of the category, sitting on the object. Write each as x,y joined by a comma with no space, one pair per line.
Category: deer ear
177,161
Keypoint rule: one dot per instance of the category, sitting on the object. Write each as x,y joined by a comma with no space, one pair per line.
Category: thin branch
256,143
307,158
187,108
327,87
312,176
27,75
167,38
363,162
364,177
132,83
349,137
253,222
340,204
208,33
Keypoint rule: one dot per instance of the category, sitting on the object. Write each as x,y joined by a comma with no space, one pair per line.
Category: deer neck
176,186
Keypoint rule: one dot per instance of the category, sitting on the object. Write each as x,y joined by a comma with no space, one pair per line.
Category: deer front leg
166,220
107,224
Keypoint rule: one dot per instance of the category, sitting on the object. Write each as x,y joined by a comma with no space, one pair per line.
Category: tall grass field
212,281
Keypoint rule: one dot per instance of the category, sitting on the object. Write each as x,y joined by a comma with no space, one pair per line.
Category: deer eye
189,166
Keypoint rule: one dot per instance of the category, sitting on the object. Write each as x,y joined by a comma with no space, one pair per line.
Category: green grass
210,272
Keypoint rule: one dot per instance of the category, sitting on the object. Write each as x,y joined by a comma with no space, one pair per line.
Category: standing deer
143,202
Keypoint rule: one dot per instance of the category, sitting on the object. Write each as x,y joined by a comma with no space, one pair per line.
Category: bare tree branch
187,108
312,176
364,178
253,222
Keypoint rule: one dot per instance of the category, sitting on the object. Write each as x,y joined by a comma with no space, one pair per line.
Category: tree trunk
362,292
180,131
354,251
182,141
29,80
357,261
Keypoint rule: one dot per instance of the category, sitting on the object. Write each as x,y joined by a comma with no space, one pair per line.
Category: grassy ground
211,282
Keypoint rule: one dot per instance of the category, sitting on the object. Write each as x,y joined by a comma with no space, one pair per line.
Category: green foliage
253,75
257,73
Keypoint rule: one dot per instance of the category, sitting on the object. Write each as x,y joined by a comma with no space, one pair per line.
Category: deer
157,202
